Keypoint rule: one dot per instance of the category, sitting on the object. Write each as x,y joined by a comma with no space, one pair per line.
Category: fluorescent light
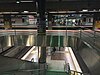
26,1
6,12
58,12
71,11
62,11
26,11
17,2
53,12
33,12
94,10
85,10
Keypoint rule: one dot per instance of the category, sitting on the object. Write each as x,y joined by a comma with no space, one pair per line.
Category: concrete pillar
49,21
41,28
41,42
96,20
41,16
40,4
7,21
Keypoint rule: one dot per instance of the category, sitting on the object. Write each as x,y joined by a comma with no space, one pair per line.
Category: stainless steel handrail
91,41
76,72
71,72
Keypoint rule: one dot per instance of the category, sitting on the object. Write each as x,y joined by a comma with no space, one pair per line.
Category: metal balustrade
91,37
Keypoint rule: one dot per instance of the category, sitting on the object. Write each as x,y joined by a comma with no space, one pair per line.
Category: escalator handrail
93,46
93,31
90,42
80,73
68,70
6,51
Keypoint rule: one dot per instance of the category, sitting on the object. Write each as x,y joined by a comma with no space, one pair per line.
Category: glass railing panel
92,37
32,40
12,64
26,69
36,72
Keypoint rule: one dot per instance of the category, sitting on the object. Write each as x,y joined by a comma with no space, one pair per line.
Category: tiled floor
58,60
58,56
55,65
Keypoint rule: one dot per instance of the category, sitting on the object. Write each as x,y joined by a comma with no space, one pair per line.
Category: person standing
54,49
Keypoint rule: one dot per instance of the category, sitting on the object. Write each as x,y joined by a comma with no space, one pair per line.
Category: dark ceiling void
51,5
11,7
72,5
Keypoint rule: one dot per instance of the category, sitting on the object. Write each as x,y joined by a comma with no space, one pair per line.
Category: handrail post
80,33
94,36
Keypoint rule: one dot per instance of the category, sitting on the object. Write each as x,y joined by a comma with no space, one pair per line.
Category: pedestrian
54,49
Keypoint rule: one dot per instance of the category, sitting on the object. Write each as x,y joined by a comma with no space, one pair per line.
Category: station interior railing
24,69
91,38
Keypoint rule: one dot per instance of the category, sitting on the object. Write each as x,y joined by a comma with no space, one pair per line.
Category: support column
40,4
41,16
7,21
96,21
41,29
49,21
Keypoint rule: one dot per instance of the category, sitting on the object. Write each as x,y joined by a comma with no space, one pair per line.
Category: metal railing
92,37
28,69
73,72
25,72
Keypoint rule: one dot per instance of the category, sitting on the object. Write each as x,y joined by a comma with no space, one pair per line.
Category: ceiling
51,5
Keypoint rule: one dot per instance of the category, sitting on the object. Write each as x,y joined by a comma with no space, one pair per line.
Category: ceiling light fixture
17,1
26,1
85,10
26,11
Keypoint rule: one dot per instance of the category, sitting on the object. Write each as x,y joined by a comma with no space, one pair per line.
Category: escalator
16,52
22,52
7,50
12,66
87,51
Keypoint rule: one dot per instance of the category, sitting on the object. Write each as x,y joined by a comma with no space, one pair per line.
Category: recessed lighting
26,1
26,11
94,9
85,10
17,2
